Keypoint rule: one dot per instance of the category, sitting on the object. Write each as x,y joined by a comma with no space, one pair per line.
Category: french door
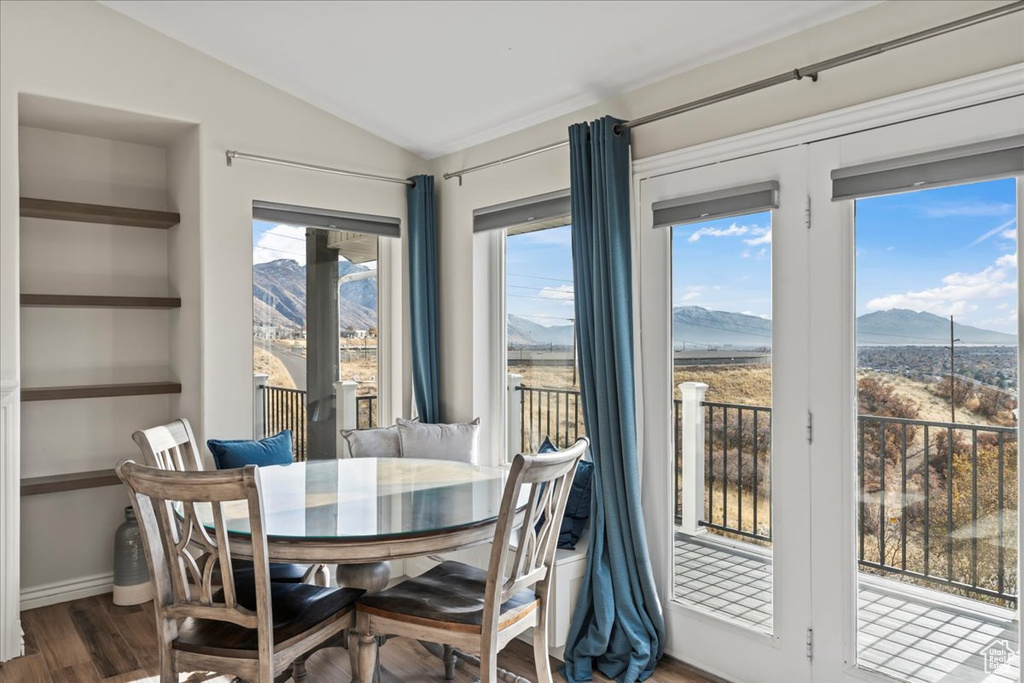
830,388
914,366
723,303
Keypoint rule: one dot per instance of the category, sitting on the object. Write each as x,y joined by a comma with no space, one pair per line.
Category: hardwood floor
90,640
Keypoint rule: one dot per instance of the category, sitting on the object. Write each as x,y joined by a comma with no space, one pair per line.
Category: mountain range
697,327
279,298
279,295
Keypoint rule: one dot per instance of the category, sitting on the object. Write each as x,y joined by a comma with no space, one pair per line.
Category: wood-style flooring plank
54,633
109,651
27,669
80,673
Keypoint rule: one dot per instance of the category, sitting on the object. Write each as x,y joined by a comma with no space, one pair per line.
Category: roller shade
734,201
980,161
525,215
368,224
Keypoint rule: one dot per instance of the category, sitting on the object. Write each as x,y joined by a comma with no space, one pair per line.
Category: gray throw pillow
440,441
373,443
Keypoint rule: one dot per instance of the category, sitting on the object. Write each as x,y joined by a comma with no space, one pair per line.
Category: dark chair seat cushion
297,609
451,595
279,572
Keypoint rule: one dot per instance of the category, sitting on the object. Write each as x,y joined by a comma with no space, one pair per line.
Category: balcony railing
286,409
280,408
937,500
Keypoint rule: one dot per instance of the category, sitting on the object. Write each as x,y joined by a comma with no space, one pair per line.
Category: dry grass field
264,362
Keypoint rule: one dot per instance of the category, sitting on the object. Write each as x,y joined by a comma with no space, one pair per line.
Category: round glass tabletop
359,499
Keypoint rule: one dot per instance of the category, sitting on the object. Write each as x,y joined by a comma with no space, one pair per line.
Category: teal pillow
273,450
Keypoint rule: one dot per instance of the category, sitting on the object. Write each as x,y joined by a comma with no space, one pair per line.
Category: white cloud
281,242
957,295
761,236
1009,234
732,231
559,293
690,296
945,210
1007,261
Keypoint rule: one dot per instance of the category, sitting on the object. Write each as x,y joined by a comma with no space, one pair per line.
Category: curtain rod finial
228,155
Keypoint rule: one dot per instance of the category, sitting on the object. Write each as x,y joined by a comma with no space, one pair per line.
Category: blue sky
539,276
948,251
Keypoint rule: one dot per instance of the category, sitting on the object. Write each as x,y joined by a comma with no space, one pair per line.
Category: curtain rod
233,154
810,71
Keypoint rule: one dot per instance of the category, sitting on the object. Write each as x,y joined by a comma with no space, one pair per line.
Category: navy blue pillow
577,508
273,450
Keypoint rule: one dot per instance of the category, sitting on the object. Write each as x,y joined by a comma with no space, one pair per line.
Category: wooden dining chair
247,627
173,447
480,611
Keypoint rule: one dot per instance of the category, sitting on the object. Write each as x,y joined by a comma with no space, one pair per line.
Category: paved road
293,363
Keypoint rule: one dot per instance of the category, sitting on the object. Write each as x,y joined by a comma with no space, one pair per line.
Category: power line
541,277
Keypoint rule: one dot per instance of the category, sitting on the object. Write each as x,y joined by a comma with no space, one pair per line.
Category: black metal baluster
860,425
757,467
739,467
882,521
903,503
949,504
927,500
725,466
709,469
974,507
999,516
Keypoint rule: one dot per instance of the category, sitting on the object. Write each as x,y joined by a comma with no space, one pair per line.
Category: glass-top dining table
368,510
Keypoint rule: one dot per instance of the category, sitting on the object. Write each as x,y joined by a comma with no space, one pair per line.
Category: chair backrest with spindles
548,477
190,567
170,447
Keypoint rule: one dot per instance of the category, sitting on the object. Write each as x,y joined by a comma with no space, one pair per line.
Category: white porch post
259,408
345,411
692,442
514,416
345,402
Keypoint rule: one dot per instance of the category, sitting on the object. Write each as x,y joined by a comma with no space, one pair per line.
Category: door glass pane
315,325
544,396
722,411
936,458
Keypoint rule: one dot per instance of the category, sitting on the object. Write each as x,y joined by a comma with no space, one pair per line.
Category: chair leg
540,654
353,653
489,662
299,670
449,663
367,658
167,669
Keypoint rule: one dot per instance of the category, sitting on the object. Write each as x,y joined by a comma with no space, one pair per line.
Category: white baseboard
62,591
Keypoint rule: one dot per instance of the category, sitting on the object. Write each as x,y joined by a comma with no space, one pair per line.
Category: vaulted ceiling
437,77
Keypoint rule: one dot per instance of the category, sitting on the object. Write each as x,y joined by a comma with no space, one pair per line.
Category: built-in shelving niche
109,276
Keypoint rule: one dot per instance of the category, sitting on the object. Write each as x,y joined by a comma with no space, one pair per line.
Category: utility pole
952,374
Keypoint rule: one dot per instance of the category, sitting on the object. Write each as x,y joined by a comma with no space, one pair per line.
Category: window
316,324
544,390
530,243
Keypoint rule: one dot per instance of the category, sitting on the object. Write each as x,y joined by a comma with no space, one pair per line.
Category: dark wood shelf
99,391
97,213
87,301
34,486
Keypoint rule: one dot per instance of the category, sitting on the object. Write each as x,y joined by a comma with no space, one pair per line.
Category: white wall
67,346
471,388
83,52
